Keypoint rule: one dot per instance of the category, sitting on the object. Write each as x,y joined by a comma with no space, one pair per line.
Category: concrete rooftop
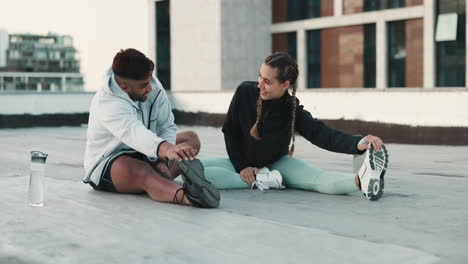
422,217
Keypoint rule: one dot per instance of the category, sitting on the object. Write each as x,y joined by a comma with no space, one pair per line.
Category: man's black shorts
106,183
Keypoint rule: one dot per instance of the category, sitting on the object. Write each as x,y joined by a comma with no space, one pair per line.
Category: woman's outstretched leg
299,174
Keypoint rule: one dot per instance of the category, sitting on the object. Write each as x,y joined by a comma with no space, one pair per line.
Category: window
303,9
14,39
163,43
291,10
369,56
396,54
46,40
451,54
395,3
374,5
313,59
371,5
292,45
14,54
41,55
285,42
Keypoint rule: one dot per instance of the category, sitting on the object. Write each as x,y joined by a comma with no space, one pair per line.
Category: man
132,145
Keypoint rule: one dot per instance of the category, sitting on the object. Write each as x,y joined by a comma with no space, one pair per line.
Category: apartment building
30,62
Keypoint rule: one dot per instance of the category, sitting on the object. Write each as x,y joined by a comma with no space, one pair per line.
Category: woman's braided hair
287,71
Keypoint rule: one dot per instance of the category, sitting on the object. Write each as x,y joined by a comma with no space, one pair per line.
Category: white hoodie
119,125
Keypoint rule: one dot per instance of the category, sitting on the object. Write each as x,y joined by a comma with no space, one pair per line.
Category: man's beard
141,98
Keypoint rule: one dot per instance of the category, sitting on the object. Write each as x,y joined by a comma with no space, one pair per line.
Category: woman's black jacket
275,129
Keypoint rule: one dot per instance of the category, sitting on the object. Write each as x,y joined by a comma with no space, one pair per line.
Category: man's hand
248,175
369,140
177,152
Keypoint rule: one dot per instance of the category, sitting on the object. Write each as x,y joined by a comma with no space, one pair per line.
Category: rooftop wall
399,116
415,108
442,108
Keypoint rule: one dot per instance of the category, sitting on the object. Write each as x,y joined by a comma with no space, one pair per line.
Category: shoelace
258,184
175,200
262,186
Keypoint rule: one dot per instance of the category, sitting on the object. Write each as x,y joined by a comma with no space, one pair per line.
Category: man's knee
189,137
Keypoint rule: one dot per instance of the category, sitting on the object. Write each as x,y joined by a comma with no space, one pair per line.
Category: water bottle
36,178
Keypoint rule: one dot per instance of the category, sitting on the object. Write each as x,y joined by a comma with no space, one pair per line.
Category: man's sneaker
266,179
371,174
199,191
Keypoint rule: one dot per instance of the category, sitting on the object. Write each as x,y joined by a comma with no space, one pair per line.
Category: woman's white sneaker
371,174
266,179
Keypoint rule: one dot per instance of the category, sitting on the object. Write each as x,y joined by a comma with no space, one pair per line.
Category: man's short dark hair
132,64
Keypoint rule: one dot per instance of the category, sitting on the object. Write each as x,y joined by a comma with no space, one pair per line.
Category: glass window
41,55
303,9
14,54
163,43
46,40
313,59
374,5
369,56
396,54
451,54
292,44
291,10
446,29
395,3
371,5
285,42
70,55
15,39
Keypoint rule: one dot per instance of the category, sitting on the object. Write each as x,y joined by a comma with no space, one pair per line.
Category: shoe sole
377,160
193,173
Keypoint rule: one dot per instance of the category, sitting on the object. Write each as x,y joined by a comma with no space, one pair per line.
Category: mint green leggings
296,174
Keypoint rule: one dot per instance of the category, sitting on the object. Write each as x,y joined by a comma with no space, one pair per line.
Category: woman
262,121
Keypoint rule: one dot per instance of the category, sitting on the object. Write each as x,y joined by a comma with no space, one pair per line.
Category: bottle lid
38,156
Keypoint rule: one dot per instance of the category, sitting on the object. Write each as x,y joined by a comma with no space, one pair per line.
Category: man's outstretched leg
131,175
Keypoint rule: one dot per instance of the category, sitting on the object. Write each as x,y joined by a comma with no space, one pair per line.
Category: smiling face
137,90
268,84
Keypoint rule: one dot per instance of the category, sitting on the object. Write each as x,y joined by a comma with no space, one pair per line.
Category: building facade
404,59
208,45
39,63
337,43
374,43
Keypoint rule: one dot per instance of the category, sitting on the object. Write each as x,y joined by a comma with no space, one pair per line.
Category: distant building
3,47
31,62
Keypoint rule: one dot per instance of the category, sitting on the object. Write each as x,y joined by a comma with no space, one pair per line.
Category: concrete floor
422,217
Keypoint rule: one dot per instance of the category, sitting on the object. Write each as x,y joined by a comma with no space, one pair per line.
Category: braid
287,70
254,130
293,120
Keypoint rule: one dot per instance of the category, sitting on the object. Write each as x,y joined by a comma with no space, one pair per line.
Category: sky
100,28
